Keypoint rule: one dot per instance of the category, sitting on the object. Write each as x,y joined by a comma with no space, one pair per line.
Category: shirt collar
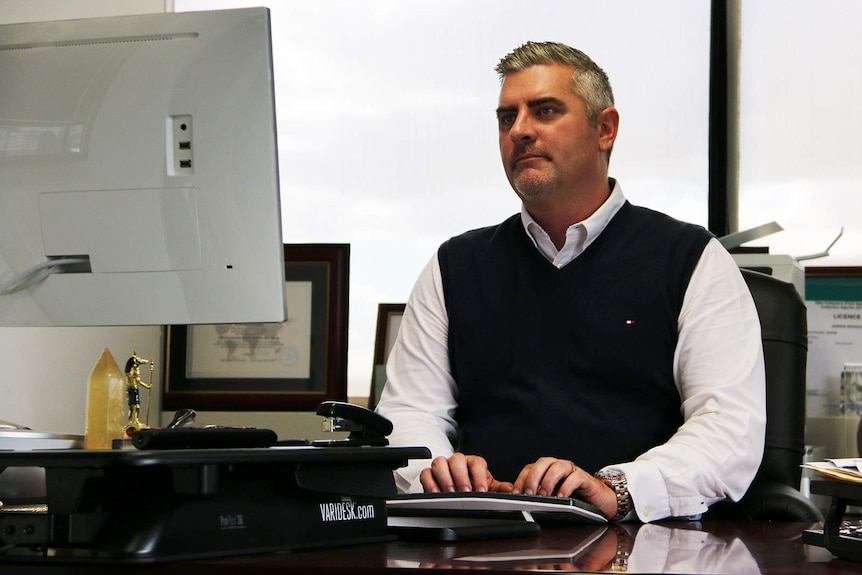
593,225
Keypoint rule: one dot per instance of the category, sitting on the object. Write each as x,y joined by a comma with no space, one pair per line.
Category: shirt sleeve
720,374
420,395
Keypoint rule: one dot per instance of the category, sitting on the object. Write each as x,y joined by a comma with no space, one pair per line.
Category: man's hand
460,473
562,478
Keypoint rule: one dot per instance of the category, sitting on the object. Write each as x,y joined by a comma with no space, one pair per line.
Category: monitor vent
99,41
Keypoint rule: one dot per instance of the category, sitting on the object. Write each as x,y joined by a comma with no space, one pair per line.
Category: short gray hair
589,82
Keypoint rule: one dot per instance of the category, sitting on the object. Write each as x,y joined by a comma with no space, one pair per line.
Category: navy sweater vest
574,362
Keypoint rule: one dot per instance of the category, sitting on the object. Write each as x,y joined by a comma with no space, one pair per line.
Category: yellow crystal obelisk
105,410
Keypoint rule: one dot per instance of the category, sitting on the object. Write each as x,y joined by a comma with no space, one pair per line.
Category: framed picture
388,321
833,298
293,365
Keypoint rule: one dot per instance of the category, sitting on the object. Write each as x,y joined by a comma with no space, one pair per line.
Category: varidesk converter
132,506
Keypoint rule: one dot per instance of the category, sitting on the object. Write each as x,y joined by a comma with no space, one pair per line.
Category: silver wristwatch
616,480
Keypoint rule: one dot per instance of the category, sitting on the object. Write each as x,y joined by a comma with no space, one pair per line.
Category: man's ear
608,123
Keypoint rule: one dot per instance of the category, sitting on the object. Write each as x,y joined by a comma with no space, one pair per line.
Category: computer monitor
142,149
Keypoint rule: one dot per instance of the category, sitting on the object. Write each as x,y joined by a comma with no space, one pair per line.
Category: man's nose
522,129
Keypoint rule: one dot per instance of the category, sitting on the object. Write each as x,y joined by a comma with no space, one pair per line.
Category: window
801,125
387,132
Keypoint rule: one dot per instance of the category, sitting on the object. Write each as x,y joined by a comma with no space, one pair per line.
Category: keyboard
545,507
845,529
847,544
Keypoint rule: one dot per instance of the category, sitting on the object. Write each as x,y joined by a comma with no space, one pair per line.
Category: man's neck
557,213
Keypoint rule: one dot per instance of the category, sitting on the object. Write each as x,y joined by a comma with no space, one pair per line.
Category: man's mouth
525,158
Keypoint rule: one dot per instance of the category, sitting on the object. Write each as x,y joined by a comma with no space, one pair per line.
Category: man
582,336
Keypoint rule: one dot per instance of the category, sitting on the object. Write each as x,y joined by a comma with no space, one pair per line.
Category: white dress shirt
717,367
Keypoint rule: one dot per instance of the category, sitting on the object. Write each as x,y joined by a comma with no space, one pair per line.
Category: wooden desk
740,548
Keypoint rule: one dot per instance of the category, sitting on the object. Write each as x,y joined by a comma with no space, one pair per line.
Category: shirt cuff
648,490
407,478
650,496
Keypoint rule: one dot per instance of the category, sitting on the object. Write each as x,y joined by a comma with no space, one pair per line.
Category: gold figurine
133,385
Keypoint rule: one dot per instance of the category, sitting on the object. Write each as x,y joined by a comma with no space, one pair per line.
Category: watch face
611,474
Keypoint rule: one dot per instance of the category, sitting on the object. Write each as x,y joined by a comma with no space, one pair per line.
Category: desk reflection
668,547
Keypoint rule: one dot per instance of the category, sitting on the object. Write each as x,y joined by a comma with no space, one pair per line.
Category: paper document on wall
834,340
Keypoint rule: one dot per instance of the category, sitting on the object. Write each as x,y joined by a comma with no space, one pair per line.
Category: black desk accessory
179,435
836,535
182,417
209,491
366,427
203,438
146,506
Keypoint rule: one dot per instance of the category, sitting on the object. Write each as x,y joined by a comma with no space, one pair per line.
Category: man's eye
506,120
547,111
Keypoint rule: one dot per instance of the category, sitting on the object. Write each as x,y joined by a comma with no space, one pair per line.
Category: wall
45,370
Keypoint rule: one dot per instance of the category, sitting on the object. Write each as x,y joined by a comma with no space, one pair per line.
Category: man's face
547,143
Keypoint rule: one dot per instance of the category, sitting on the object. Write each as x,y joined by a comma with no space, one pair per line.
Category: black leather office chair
774,493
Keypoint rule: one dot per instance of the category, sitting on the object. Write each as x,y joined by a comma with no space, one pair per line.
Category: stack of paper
842,469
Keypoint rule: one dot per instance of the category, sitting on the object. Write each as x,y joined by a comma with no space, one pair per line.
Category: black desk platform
320,510
832,536
132,506
725,547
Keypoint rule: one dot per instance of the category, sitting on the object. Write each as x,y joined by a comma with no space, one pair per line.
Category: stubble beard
533,186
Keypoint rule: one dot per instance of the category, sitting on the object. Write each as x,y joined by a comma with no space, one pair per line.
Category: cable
38,273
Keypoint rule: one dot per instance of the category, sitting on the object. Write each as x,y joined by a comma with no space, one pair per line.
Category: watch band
616,480
620,564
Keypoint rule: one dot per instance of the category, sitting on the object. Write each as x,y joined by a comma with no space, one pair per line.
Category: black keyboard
847,544
842,531
851,528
